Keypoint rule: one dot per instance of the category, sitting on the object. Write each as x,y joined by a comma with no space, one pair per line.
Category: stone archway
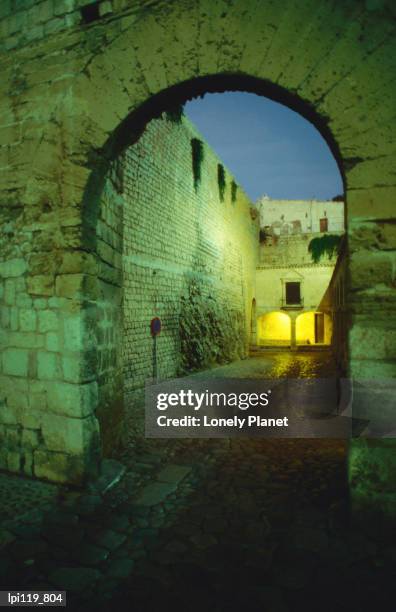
65,118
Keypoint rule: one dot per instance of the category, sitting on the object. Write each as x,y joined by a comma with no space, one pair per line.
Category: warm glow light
274,328
305,329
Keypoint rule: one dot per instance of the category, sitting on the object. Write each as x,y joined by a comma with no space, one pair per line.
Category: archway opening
274,329
313,328
146,244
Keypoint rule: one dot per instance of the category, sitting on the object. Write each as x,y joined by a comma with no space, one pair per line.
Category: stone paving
21,495
220,525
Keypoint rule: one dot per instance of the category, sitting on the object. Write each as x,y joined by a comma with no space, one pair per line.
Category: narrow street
252,524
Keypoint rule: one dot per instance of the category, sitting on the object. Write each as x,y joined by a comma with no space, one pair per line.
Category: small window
323,224
293,294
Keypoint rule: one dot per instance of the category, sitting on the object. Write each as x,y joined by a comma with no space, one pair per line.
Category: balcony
288,305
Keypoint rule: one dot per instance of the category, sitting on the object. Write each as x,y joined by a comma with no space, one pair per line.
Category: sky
268,148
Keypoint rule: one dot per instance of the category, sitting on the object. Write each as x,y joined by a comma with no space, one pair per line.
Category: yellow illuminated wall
274,328
305,328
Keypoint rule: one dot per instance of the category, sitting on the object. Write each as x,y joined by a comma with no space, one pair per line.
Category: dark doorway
324,224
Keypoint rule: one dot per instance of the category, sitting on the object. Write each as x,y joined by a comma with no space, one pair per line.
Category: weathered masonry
78,88
171,241
174,247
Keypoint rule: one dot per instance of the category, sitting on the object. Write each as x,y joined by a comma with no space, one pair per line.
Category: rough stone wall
334,303
64,95
187,257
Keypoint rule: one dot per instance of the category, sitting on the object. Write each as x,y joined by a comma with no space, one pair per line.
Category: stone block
77,262
9,292
27,460
15,362
105,8
73,436
48,366
14,318
12,267
35,32
16,399
368,268
5,316
76,286
13,437
41,264
55,25
375,203
64,6
42,12
40,285
80,367
47,321
79,331
40,303
52,466
74,400
30,438
23,301
73,19
13,461
27,320
367,342
31,417
155,493
53,342
8,416
56,302
26,340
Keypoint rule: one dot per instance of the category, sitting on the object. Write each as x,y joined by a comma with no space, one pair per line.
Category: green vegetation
197,150
175,114
329,245
234,190
221,181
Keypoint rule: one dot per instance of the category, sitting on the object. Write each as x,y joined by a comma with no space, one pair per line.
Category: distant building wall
300,216
287,227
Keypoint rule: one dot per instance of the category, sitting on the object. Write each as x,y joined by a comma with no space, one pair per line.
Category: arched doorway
114,85
313,328
274,329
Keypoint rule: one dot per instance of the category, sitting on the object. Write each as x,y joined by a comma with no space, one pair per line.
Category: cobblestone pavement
242,524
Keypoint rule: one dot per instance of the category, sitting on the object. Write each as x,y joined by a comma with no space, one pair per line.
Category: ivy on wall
234,191
197,152
221,181
175,114
329,245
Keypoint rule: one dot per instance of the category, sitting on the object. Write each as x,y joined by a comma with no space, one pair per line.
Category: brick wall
187,257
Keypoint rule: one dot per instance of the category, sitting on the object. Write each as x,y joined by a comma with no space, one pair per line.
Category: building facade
289,285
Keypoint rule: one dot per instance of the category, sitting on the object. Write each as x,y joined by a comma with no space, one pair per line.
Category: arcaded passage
77,89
